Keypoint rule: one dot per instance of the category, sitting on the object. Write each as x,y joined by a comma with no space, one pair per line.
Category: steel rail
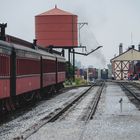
92,110
94,104
130,91
55,115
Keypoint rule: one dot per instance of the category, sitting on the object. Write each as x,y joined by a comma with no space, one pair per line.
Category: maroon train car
27,69
5,58
48,70
60,69
25,72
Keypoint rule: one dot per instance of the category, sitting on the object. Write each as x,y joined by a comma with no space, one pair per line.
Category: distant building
109,71
121,63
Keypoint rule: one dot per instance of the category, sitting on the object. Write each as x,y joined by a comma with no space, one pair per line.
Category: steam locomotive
26,73
104,74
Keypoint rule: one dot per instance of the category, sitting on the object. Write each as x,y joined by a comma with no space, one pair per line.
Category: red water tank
56,27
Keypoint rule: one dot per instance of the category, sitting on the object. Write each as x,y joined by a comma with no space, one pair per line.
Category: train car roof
5,45
23,51
43,52
5,48
46,55
24,48
38,51
60,58
53,56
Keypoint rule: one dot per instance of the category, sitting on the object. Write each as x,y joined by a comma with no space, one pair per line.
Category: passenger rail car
5,70
25,71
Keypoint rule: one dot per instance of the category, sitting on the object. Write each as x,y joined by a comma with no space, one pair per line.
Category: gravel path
20,124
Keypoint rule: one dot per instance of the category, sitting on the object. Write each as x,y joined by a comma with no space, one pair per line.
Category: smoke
88,39
88,36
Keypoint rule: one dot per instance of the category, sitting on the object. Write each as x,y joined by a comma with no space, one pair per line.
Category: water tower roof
56,11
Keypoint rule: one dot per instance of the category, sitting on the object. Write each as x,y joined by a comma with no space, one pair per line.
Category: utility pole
81,24
87,75
131,38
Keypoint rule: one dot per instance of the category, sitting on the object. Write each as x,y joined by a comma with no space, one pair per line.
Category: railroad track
94,104
60,111
92,109
9,116
89,100
133,89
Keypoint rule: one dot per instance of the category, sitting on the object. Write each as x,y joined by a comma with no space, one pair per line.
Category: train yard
47,94
36,113
73,115
78,99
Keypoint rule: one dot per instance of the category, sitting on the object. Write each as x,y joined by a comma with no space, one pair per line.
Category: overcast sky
110,22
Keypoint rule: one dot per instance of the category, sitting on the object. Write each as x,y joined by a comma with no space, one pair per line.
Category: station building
121,63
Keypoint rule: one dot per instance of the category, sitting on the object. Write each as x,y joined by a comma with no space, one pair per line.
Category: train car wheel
44,93
28,96
51,91
38,95
1,107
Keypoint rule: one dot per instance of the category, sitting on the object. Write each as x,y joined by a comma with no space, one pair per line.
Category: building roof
129,55
55,11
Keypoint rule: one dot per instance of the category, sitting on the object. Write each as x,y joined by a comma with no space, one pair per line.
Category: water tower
56,27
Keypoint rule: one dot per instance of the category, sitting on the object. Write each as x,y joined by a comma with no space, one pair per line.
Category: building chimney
2,31
139,47
120,48
133,46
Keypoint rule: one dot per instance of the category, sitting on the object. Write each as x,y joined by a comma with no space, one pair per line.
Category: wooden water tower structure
56,27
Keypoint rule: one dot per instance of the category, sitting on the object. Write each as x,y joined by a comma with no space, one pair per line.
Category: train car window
49,66
4,65
27,66
61,66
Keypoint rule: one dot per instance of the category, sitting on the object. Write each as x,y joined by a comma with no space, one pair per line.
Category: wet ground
111,122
